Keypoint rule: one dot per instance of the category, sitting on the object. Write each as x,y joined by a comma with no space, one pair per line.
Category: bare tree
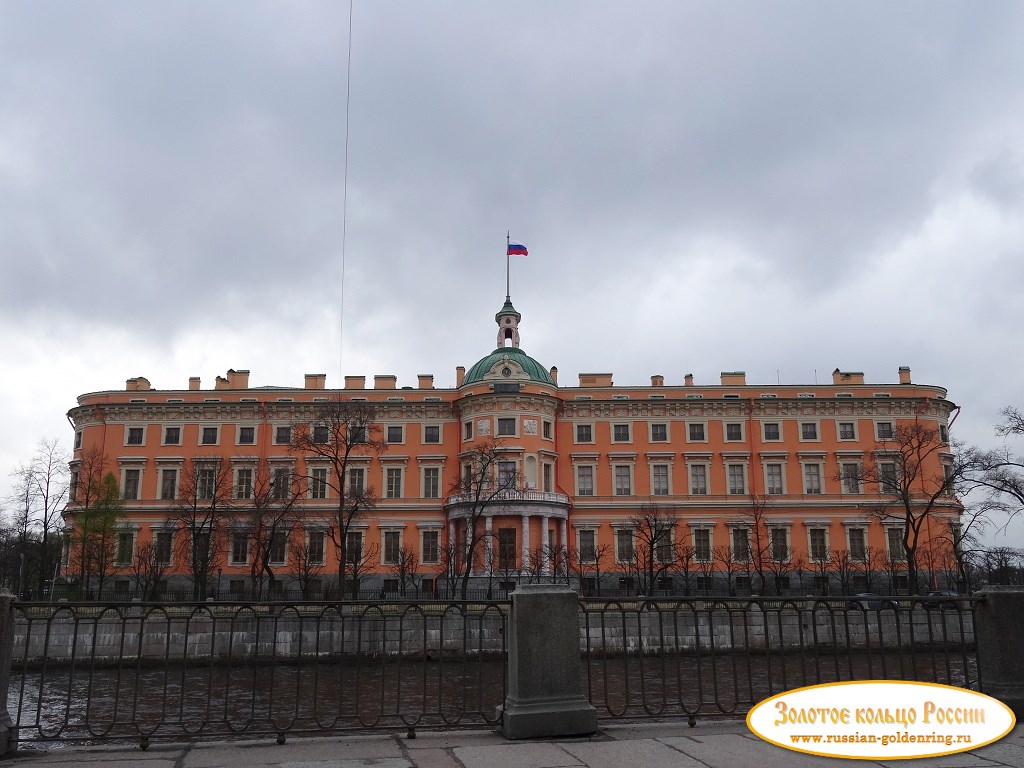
341,436
821,562
306,561
685,564
200,515
916,476
270,519
487,479
760,538
589,565
85,490
405,569
723,555
653,545
94,535
1001,470
148,570
843,564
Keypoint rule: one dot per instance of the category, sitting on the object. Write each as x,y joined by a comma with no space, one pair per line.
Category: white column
526,542
489,544
545,546
564,543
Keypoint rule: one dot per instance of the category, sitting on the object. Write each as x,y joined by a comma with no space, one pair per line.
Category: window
356,481
698,480
850,473
620,433
883,430
172,435
395,434
858,545
546,430
281,483
283,436
131,484
243,484
587,551
696,433
894,541
506,474
239,548
315,547
78,440
358,433
467,430
432,434
506,427
809,430
318,483
702,544
659,480
134,436
321,434
659,433
737,485
246,435
773,479
278,547
73,486
430,547
812,478
943,433
431,482
664,551
887,482
354,546
740,544
771,430
847,431
584,433
819,544
546,474
780,544
585,480
506,548
392,545
623,486
125,548
168,484
624,545
733,431
162,547
393,484
209,436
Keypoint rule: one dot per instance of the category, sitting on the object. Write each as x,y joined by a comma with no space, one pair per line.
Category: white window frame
424,560
323,484
237,482
668,478
255,433
127,432
690,485
650,431
703,424
844,480
384,533
163,433
849,542
817,430
423,480
902,555
764,431
729,478
576,433
711,543
323,546
124,479
232,560
388,469
277,427
629,431
782,477
593,530
387,434
440,434
619,531
771,543
811,529
839,430
615,479
498,420
820,477
593,479
160,480
202,433
725,432
892,429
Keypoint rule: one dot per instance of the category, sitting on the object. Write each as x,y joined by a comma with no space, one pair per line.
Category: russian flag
515,249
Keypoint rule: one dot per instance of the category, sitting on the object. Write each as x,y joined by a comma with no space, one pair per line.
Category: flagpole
508,242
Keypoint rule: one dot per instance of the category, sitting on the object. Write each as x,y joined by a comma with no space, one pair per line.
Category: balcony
510,502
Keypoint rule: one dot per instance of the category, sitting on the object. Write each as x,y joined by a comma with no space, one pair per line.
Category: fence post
997,628
545,692
8,731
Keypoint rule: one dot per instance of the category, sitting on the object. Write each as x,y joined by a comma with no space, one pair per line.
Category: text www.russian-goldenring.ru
885,740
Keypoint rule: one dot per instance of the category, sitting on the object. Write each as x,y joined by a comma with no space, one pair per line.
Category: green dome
519,359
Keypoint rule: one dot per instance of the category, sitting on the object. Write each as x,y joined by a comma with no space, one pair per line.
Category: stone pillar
545,687
526,543
8,731
997,627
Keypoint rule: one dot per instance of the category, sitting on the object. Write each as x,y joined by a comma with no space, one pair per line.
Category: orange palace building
590,458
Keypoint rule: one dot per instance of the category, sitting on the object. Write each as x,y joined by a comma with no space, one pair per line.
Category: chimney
847,377
138,384
688,380
734,378
238,379
554,375
384,381
316,380
220,383
460,374
425,380
193,382
904,374
355,382
596,380
657,381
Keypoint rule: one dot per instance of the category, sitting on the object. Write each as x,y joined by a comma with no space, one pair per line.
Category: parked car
949,597
870,601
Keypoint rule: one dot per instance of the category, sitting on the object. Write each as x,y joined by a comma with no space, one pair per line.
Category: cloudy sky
782,188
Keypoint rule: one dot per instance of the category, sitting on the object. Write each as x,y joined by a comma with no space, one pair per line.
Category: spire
508,324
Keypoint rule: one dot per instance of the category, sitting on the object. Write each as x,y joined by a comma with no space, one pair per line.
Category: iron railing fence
94,672
720,656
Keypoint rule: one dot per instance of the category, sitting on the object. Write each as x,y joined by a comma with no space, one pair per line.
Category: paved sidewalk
711,744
